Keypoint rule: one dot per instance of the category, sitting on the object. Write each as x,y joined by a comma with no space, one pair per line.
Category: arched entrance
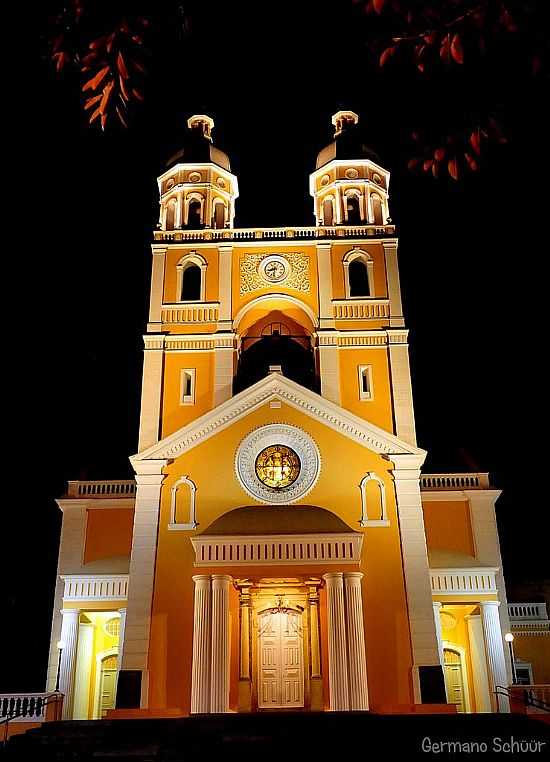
276,339
280,659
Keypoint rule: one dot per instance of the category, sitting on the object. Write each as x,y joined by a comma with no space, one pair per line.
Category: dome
348,143
198,147
278,519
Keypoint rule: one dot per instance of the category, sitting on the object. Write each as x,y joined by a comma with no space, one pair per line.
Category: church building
280,546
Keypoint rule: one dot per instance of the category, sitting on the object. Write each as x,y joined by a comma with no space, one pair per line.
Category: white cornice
276,386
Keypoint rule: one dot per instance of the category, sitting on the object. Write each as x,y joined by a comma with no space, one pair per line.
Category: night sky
470,254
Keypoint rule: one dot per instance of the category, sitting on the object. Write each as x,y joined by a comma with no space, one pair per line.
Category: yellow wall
174,414
536,650
378,410
108,533
447,525
458,635
211,466
376,251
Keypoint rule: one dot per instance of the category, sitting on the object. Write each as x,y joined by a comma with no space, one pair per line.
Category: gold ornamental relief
288,270
277,466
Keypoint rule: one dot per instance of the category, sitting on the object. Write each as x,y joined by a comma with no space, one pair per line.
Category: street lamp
60,647
509,638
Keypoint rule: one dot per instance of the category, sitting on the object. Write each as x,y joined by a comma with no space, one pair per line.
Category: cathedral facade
280,547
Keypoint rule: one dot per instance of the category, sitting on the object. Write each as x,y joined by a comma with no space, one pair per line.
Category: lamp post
60,646
509,638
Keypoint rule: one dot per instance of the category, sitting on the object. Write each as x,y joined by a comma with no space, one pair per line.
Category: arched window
191,278
376,202
219,215
358,274
183,497
328,212
353,209
170,214
373,501
191,284
358,278
194,214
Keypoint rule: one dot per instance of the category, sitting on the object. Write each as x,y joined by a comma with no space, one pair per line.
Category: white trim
187,399
267,297
276,386
95,587
192,523
364,520
461,651
362,372
478,580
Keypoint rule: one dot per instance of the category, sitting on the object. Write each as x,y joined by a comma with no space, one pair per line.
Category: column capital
437,605
73,612
407,465
201,578
221,579
331,577
486,604
353,575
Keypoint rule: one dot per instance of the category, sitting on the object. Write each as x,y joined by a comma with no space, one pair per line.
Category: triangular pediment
277,387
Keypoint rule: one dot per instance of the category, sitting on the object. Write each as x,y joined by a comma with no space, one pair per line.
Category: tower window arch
358,274
376,205
328,212
194,216
191,278
375,499
352,200
170,219
219,215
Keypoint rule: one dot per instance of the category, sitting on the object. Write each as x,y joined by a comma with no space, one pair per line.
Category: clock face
277,466
274,269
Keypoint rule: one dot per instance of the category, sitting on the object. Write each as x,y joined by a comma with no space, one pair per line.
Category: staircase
269,736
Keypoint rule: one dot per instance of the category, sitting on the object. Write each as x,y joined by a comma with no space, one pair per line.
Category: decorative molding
480,580
259,300
95,587
364,520
190,312
454,481
277,550
114,488
271,387
363,308
253,276
174,525
283,236
277,434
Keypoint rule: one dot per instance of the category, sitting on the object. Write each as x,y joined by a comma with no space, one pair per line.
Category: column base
316,692
245,696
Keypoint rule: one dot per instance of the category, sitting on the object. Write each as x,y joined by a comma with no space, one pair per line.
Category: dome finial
204,124
343,119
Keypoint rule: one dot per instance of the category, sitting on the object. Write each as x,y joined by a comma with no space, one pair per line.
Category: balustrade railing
270,234
521,612
99,489
80,587
190,312
360,309
454,481
457,581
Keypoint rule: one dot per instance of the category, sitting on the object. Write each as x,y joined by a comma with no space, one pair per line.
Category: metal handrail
50,698
526,695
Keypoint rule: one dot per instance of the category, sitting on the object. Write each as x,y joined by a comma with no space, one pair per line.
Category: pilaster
67,671
400,378
494,654
219,673
324,271
202,635
337,652
329,365
358,688
151,390
392,282
157,284
224,286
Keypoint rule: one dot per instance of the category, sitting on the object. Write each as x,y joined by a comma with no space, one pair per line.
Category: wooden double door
280,659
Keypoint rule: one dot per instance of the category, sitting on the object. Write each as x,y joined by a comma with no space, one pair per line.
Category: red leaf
452,166
427,164
93,83
96,113
435,169
445,49
412,164
378,5
90,102
121,66
121,116
472,163
137,94
105,97
439,154
430,38
386,55
475,141
456,49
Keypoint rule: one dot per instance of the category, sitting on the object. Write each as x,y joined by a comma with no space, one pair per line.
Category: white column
225,254
479,664
494,654
202,634
392,282
69,641
437,620
151,391
414,552
121,631
329,365
219,683
157,285
358,688
149,478
337,654
324,270
401,387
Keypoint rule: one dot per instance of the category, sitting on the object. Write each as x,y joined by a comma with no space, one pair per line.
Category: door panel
280,649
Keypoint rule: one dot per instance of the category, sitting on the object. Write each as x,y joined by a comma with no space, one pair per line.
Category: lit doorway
107,685
280,659
455,679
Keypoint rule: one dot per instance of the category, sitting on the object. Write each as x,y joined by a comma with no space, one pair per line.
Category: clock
274,269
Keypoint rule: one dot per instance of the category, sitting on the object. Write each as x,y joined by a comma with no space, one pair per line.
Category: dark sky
470,254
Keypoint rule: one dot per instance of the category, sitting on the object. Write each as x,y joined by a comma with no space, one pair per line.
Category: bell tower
349,185
198,189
